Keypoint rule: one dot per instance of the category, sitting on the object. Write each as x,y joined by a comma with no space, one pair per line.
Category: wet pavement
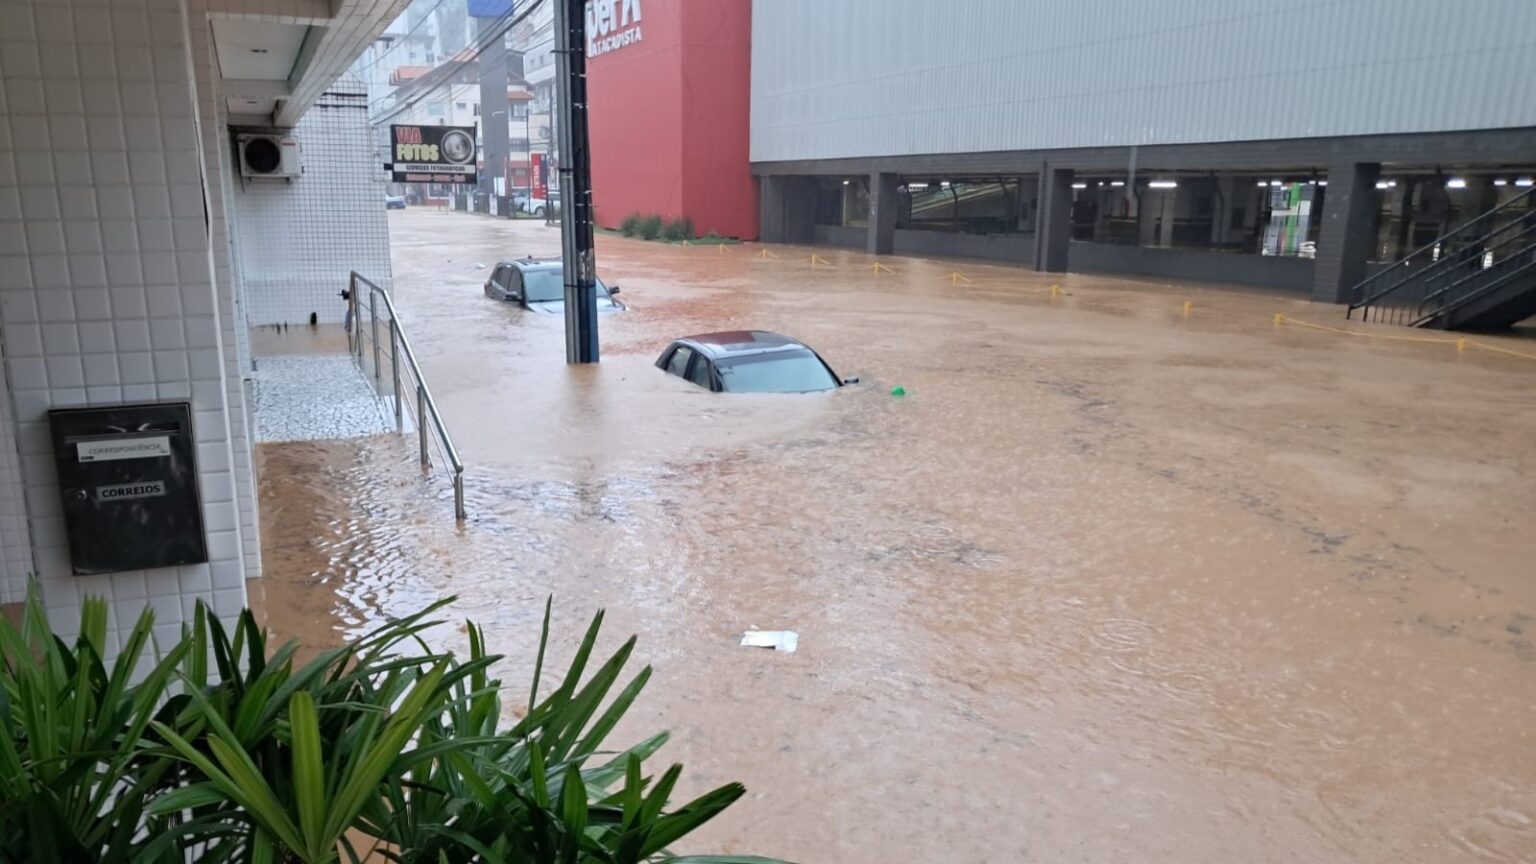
1112,583
304,398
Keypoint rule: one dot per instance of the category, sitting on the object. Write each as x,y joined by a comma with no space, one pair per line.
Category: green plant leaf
308,770
573,809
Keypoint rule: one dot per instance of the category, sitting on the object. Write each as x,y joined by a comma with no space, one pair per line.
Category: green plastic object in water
898,390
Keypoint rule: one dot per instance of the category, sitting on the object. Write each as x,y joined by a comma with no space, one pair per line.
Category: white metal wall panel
839,78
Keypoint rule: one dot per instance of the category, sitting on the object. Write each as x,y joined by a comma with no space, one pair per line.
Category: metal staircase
1479,276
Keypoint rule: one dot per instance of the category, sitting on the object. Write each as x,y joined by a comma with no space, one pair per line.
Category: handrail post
421,420
354,341
394,370
458,495
373,318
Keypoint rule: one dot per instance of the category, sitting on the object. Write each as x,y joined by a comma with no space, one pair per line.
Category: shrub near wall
651,226
678,229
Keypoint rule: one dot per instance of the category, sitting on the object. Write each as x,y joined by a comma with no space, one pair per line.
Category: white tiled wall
15,546
211,108
299,239
106,271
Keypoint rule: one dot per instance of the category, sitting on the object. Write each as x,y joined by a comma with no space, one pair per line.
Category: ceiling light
1164,184
845,182
1079,185
1381,184
944,185
1525,181
1456,183
1322,182
1277,182
1263,184
1501,182
1117,182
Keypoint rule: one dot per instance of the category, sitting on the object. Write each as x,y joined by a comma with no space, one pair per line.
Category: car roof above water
531,264
735,343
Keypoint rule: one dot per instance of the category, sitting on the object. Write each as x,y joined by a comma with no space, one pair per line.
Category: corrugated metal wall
836,78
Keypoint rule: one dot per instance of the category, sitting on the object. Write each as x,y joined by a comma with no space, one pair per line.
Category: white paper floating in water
778,640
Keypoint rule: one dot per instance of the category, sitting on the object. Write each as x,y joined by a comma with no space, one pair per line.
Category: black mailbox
128,477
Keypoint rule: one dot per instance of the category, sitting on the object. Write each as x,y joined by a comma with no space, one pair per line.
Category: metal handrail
1525,227
1489,286
426,406
1358,296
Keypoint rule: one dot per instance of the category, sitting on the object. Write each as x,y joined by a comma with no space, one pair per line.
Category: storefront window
967,205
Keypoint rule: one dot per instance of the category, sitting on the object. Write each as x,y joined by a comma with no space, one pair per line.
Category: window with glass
779,372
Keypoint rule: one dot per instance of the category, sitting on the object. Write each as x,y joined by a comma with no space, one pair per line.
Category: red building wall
669,117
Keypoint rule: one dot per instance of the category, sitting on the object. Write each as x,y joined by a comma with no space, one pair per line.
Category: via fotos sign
432,154
611,25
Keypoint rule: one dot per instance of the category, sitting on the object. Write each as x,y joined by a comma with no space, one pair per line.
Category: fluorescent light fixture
944,185
1164,184
845,182
1501,182
1263,184
917,187
1456,183
1322,182
1117,182
1277,182
1381,184
1525,181
1079,185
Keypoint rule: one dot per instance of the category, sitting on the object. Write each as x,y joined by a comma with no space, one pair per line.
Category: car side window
677,364
500,276
700,373
514,282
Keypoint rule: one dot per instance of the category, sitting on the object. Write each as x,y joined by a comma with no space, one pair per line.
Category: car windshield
548,286
780,372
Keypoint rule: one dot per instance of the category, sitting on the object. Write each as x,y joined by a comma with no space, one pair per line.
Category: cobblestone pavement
311,398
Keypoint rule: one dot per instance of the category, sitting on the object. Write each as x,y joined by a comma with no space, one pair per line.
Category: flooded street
1111,583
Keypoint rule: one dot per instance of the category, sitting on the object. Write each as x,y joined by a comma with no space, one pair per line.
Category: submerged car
540,286
394,202
749,361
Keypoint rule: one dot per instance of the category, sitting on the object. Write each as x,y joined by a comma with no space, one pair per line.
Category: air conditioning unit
268,156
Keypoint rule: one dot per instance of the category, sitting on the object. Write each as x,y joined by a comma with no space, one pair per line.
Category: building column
1054,231
1348,232
883,206
788,209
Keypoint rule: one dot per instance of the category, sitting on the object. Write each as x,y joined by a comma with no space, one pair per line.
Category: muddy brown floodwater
1112,583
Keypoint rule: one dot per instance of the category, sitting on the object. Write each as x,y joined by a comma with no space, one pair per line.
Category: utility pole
579,258
492,64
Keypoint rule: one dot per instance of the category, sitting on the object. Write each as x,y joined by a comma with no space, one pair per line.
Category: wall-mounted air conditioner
268,156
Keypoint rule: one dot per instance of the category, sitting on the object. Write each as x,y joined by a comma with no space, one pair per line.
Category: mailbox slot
128,484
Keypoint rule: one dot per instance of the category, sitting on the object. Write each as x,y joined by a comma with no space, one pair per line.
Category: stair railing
428,419
1395,296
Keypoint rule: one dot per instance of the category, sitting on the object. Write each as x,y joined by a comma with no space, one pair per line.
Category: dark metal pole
579,258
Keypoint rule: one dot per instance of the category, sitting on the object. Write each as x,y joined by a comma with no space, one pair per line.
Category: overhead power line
481,43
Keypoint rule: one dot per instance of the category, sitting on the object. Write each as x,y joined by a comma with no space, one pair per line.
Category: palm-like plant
379,749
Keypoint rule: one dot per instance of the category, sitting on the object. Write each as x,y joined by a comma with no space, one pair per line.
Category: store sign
611,25
432,154
540,186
